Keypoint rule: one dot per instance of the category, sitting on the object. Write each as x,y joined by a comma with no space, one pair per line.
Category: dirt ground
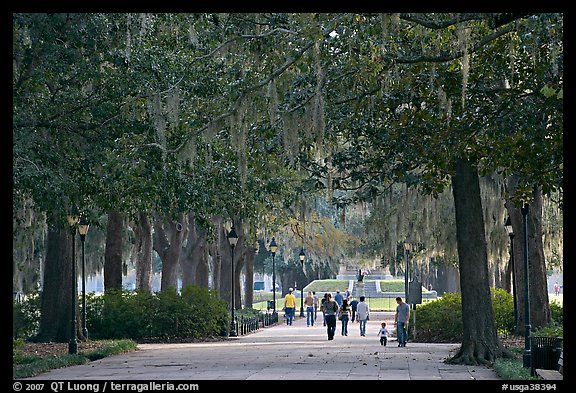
47,349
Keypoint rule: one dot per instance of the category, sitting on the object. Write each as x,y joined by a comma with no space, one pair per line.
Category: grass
513,369
24,366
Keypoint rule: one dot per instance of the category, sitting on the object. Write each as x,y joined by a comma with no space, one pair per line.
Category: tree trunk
225,253
168,239
249,256
447,279
239,260
217,258
143,234
113,252
540,314
56,302
480,344
202,270
538,288
194,255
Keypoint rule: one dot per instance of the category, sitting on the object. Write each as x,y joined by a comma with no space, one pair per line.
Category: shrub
503,309
194,313
441,320
26,316
557,312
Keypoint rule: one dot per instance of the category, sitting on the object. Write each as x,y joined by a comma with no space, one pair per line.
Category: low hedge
192,314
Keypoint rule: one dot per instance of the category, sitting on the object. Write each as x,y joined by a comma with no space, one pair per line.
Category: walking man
290,306
362,311
401,321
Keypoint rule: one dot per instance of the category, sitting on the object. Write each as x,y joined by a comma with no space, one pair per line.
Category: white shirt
383,332
362,310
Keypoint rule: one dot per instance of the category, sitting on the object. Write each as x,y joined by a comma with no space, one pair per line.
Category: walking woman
344,314
309,303
330,308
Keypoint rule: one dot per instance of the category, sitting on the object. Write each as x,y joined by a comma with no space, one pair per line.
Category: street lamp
72,343
527,351
302,256
273,249
232,239
83,230
508,226
406,255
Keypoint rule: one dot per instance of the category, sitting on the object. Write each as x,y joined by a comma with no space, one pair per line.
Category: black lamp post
72,343
273,249
302,256
406,256
527,348
232,239
508,226
83,230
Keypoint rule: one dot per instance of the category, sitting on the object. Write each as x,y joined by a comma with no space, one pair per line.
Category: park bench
553,374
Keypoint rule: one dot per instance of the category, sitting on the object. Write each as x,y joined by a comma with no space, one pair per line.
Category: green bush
195,313
557,312
503,309
441,320
26,317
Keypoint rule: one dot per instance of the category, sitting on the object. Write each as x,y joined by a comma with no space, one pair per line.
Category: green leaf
547,91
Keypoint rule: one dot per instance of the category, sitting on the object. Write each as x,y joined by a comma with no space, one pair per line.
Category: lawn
331,285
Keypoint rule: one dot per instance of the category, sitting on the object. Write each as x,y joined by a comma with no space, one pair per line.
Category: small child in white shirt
383,334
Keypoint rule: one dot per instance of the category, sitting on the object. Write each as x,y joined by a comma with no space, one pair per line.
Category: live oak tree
215,115
418,111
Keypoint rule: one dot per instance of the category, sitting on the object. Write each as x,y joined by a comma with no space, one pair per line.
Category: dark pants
383,341
331,326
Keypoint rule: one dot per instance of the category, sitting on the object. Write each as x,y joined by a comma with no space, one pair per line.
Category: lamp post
232,239
83,230
406,255
509,229
302,256
72,343
273,249
527,348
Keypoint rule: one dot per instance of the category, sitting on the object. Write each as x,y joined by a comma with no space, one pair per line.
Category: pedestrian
330,308
344,316
401,321
353,305
289,306
363,312
383,334
338,298
315,304
309,303
556,288
347,294
324,299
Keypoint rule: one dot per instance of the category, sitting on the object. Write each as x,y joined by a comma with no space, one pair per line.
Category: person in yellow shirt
289,306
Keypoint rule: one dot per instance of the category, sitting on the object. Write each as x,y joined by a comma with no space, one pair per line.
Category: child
383,334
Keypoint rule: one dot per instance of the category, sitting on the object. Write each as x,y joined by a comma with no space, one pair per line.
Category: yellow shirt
290,301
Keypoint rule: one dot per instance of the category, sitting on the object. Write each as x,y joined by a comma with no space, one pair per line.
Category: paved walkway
283,352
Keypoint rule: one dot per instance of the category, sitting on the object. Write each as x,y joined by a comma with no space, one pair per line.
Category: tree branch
457,54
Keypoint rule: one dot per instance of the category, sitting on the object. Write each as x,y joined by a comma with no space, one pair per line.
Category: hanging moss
463,34
318,116
128,50
155,111
272,103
